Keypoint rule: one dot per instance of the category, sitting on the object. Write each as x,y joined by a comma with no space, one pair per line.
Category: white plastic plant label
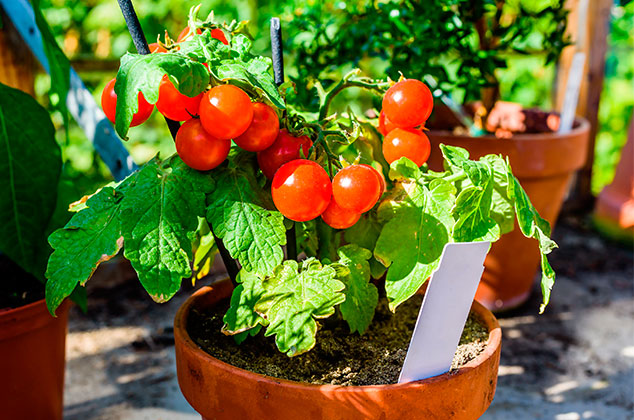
444,311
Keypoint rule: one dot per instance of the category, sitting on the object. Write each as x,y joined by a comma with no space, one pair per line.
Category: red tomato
109,106
173,104
155,47
385,125
263,129
226,111
337,217
215,33
408,103
284,149
409,143
356,188
198,149
301,190
379,176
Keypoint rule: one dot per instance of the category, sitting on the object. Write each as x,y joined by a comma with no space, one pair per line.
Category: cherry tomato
406,142
263,129
198,149
155,47
337,217
408,103
215,33
109,106
356,188
173,104
379,176
226,111
385,125
284,149
301,190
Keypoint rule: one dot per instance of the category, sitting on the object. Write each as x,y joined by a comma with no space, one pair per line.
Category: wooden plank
16,62
594,43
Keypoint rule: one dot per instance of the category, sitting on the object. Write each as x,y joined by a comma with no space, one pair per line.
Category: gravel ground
574,362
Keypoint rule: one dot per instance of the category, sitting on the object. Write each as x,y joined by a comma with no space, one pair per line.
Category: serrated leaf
159,220
534,226
502,210
92,236
404,169
143,73
205,251
471,211
250,232
294,298
365,233
412,241
241,315
361,295
30,167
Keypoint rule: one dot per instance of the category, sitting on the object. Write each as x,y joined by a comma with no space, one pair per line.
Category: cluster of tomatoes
406,107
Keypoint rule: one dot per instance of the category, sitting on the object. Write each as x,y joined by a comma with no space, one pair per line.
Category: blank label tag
444,311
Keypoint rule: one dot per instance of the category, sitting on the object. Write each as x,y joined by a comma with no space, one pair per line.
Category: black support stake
134,27
278,71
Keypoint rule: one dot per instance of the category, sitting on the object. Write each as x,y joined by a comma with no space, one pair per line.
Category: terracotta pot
32,350
614,212
544,164
221,391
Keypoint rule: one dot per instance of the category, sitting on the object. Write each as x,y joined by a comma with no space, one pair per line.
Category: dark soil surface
17,287
338,358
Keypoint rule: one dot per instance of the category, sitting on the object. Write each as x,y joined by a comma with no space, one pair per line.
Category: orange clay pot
614,211
221,391
544,164
32,350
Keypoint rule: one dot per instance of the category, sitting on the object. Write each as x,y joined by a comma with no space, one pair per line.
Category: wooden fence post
16,61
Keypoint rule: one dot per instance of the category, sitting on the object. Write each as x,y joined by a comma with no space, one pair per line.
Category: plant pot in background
544,164
220,391
32,356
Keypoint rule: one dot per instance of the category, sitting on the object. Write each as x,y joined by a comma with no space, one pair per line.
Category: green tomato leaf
159,220
30,167
241,315
92,236
237,211
502,210
533,226
143,73
294,297
412,241
361,295
365,233
404,169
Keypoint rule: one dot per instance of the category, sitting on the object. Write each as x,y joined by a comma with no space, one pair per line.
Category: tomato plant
286,169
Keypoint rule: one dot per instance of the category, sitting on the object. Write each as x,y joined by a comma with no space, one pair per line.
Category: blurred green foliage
94,36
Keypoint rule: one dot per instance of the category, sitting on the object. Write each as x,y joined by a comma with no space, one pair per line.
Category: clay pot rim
32,315
583,125
181,334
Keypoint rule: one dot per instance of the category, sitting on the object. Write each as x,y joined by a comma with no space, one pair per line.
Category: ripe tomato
263,129
408,103
215,33
284,149
173,104
337,217
198,149
356,188
301,190
406,142
379,176
226,111
109,106
385,125
155,47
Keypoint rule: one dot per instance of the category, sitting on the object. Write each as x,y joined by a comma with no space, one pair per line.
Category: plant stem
136,32
348,82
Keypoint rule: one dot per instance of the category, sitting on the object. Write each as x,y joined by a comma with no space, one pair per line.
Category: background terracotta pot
544,164
221,391
32,350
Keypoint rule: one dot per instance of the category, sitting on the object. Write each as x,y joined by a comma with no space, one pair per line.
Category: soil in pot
339,358
17,287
